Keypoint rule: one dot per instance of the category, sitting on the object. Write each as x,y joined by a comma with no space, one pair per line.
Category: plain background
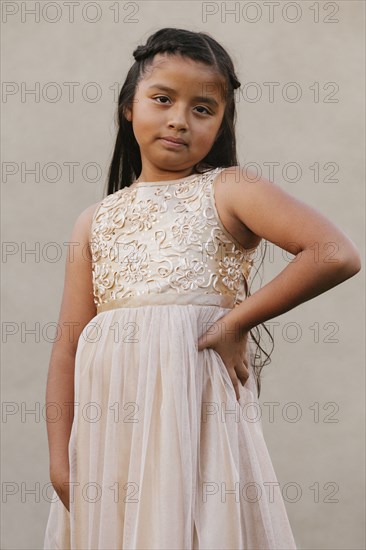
316,376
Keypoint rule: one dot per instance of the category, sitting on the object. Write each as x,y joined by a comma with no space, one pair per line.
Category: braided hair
162,41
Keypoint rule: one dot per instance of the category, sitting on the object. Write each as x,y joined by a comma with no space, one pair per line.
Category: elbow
357,263
351,265
350,262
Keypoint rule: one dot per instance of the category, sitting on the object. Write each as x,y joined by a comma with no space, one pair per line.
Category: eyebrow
209,100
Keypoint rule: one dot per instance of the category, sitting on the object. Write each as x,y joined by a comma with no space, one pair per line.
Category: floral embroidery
101,280
165,239
143,214
188,230
230,271
188,276
135,266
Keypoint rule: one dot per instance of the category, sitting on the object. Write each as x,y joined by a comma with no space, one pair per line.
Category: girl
156,451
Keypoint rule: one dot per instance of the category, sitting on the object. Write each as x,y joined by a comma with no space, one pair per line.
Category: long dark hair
198,46
126,165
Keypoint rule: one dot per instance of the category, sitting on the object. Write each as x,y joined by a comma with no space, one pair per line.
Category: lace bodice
163,242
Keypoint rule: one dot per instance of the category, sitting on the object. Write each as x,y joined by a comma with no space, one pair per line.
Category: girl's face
178,98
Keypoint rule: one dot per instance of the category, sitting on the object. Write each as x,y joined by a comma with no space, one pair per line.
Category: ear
127,113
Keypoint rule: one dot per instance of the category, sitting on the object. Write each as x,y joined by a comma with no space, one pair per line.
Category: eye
198,107
201,107
159,96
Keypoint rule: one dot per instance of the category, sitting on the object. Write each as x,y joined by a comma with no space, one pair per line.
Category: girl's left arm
324,255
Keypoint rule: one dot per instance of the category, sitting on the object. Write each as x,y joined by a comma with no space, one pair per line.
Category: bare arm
324,255
77,309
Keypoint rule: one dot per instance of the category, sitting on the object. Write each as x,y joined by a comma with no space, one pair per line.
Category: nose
177,119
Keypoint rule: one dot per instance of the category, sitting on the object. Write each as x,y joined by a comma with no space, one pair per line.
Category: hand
61,484
231,346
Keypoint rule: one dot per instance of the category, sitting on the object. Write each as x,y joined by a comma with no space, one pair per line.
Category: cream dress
162,455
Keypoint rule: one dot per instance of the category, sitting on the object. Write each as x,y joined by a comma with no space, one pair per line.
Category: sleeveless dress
162,455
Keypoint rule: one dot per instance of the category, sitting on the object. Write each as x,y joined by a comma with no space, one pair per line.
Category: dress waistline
185,298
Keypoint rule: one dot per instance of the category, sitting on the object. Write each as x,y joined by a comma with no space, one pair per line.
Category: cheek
206,129
205,137
143,125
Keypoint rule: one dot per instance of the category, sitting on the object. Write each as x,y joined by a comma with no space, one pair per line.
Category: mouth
173,142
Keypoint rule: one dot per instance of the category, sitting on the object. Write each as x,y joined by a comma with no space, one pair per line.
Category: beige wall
323,458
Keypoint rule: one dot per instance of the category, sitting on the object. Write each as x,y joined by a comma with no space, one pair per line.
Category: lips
174,140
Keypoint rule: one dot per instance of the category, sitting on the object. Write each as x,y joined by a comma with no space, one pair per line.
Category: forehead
184,75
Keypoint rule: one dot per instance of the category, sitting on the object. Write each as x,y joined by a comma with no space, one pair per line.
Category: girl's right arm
77,309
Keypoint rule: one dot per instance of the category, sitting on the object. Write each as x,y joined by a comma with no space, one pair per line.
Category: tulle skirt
162,455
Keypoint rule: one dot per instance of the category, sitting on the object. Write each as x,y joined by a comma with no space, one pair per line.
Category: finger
246,371
202,343
234,380
242,373
245,367
237,394
245,360
235,383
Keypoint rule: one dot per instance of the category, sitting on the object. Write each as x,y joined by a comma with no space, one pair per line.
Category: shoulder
225,188
275,215
239,178
257,205
83,223
232,187
242,190
234,179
